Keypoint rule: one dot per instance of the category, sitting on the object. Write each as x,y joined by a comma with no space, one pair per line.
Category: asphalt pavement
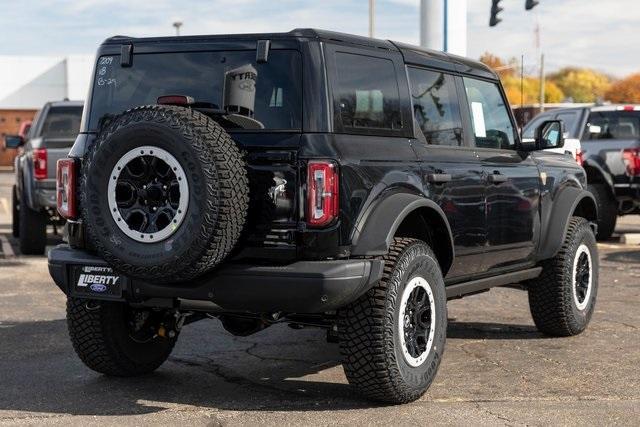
497,369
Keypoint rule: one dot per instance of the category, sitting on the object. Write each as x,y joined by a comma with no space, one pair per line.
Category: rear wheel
392,338
114,339
607,210
32,228
15,213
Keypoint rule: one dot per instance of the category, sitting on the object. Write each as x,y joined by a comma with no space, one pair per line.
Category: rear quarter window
367,94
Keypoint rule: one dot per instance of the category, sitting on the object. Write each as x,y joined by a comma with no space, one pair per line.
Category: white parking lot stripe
5,205
7,250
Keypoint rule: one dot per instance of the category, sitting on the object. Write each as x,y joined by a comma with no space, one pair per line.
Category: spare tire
164,193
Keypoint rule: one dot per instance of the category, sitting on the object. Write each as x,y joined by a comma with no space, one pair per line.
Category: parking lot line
5,205
7,250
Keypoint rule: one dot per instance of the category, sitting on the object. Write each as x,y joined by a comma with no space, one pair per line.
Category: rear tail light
40,163
322,195
631,158
66,188
628,108
579,157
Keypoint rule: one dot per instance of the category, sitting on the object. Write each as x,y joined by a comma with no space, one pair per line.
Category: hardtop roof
472,66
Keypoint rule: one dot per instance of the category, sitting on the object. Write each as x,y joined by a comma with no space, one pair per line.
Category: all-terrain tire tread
550,298
227,185
92,334
368,362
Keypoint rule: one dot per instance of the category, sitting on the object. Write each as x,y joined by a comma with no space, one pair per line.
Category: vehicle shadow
623,256
274,370
39,372
492,331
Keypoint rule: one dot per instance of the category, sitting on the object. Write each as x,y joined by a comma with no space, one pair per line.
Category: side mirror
13,141
550,134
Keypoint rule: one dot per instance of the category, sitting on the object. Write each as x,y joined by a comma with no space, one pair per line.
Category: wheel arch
569,202
596,174
404,215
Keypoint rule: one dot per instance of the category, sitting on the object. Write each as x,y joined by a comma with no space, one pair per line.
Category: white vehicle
571,146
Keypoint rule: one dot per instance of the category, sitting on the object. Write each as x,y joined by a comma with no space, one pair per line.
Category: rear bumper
44,194
300,287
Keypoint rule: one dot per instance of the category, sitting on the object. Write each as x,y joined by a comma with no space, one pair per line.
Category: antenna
521,92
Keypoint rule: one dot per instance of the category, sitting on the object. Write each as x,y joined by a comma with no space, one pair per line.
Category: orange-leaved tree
625,90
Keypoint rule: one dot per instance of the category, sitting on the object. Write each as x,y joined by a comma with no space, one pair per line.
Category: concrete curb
630,238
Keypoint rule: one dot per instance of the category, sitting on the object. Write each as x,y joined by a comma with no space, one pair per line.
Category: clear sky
603,34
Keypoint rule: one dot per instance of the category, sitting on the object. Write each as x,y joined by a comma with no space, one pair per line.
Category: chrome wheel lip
414,283
583,249
183,186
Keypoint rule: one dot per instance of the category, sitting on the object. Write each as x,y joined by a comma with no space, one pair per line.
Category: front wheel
392,338
563,298
116,340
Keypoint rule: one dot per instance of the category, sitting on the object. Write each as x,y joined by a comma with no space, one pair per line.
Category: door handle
438,178
496,178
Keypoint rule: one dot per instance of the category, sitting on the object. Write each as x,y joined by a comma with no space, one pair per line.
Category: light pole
177,26
372,12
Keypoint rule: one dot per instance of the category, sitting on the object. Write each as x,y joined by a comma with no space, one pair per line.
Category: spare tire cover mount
148,194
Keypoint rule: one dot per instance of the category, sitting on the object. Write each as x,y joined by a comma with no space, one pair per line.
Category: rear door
511,178
451,171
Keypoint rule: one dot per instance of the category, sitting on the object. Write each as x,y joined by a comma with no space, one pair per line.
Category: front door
511,178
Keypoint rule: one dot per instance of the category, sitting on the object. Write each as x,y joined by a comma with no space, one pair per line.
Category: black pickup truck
50,137
610,140
317,179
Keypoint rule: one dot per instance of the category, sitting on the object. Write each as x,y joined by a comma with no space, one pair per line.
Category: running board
461,289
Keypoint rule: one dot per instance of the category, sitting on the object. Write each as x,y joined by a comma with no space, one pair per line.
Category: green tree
581,84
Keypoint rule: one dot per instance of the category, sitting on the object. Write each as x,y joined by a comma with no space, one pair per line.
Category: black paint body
478,228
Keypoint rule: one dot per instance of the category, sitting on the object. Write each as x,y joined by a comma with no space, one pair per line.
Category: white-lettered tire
164,193
113,339
563,298
392,338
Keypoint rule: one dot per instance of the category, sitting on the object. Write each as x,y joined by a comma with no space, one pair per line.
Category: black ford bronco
317,179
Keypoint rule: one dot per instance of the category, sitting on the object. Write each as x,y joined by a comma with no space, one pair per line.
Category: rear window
267,93
614,125
62,122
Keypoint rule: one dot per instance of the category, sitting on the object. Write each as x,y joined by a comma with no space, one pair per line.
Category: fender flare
565,204
606,177
27,189
375,230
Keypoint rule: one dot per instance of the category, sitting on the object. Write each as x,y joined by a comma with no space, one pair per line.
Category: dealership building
27,82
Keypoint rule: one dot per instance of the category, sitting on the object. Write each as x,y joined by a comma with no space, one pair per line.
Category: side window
435,106
492,125
569,120
367,93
